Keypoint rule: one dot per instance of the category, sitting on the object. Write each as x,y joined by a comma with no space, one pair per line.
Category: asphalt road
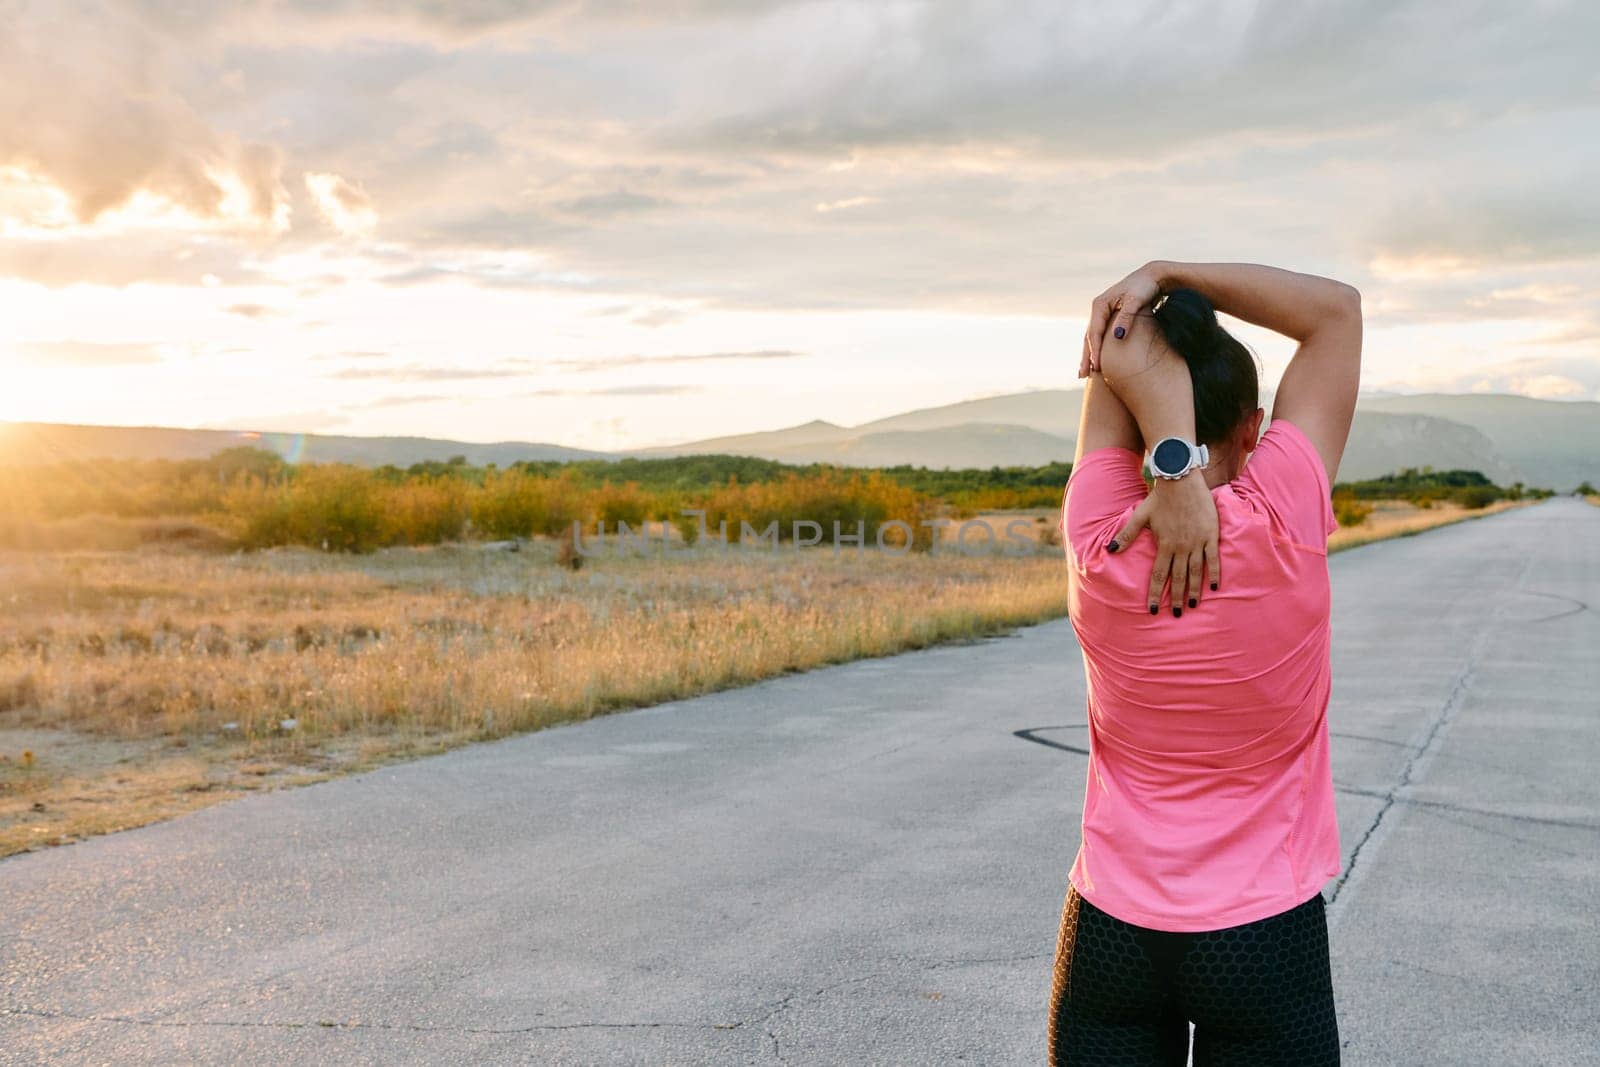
863,864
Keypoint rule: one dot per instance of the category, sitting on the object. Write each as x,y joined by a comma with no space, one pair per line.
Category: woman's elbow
1348,300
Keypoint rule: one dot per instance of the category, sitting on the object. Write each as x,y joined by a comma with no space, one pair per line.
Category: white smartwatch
1173,457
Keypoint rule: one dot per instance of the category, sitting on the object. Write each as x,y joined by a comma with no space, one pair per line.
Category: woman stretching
1208,817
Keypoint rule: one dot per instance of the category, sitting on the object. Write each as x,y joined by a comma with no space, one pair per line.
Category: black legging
1124,996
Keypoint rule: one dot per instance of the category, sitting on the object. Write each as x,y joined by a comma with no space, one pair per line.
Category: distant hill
1555,442
1028,429
974,444
1052,411
1381,443
43,442
1546,443
808,433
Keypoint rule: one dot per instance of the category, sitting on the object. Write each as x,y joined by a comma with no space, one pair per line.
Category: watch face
1170,456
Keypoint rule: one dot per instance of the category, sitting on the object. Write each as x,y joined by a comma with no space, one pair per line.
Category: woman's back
1209,800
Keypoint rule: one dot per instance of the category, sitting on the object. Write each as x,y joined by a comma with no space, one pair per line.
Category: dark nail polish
1213,587
1193,603
1177,612
1112,547
1120,332
1154,608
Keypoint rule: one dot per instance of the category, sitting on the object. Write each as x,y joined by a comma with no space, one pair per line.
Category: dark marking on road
1029,735
1467,809
1581,605
1375,740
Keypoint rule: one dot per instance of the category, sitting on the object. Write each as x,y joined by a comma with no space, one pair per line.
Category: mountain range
30,443
1546,443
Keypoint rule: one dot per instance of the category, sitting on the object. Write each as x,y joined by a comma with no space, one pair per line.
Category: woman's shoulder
1284,479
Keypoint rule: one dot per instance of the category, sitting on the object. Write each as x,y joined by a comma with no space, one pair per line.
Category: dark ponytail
1226,386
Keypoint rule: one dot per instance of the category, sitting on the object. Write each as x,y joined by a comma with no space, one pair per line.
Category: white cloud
846,204
91,109
345,206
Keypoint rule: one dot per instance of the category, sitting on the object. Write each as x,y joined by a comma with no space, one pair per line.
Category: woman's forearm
1153,383
1293,304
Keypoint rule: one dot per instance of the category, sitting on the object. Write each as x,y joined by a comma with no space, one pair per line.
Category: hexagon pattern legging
1261,993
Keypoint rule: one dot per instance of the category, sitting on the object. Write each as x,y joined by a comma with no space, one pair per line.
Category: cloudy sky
610,224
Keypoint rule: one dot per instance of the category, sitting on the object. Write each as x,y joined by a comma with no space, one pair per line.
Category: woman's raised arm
1318,390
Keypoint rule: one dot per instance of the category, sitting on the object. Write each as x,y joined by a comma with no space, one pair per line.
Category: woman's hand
1114,310
1183,517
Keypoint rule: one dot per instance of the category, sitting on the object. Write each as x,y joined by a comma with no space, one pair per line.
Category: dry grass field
1397,518
135,685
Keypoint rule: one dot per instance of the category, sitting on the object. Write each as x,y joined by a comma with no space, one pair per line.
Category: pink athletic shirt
1210,795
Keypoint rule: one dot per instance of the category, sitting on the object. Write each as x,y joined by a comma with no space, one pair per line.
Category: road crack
904,964
1423,753
762,1017
333,1024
